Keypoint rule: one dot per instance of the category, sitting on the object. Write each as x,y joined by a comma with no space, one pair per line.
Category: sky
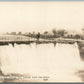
41,16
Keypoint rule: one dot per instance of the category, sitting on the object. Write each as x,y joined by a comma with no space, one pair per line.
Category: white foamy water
59,63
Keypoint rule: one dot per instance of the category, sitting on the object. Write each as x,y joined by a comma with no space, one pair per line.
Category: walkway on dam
24,39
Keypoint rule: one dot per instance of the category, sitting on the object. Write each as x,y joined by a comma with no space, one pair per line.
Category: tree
19,33
13,33
60,32
82,30
77,36
54,31
46,32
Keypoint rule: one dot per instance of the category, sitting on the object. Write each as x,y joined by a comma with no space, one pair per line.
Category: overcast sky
41,16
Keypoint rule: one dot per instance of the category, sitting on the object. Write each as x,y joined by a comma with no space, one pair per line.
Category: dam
60,63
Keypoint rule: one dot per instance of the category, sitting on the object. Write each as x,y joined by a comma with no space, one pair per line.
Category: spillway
60,63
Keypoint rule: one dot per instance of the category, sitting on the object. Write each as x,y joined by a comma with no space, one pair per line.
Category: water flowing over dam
60,63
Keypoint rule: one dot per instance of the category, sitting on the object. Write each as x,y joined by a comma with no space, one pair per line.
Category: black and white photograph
42,41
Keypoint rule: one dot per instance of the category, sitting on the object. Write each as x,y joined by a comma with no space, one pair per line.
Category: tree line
57,34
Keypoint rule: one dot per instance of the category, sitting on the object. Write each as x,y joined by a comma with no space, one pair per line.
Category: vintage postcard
42,41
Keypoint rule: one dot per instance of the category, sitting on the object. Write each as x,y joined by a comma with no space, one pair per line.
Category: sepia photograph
42,41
